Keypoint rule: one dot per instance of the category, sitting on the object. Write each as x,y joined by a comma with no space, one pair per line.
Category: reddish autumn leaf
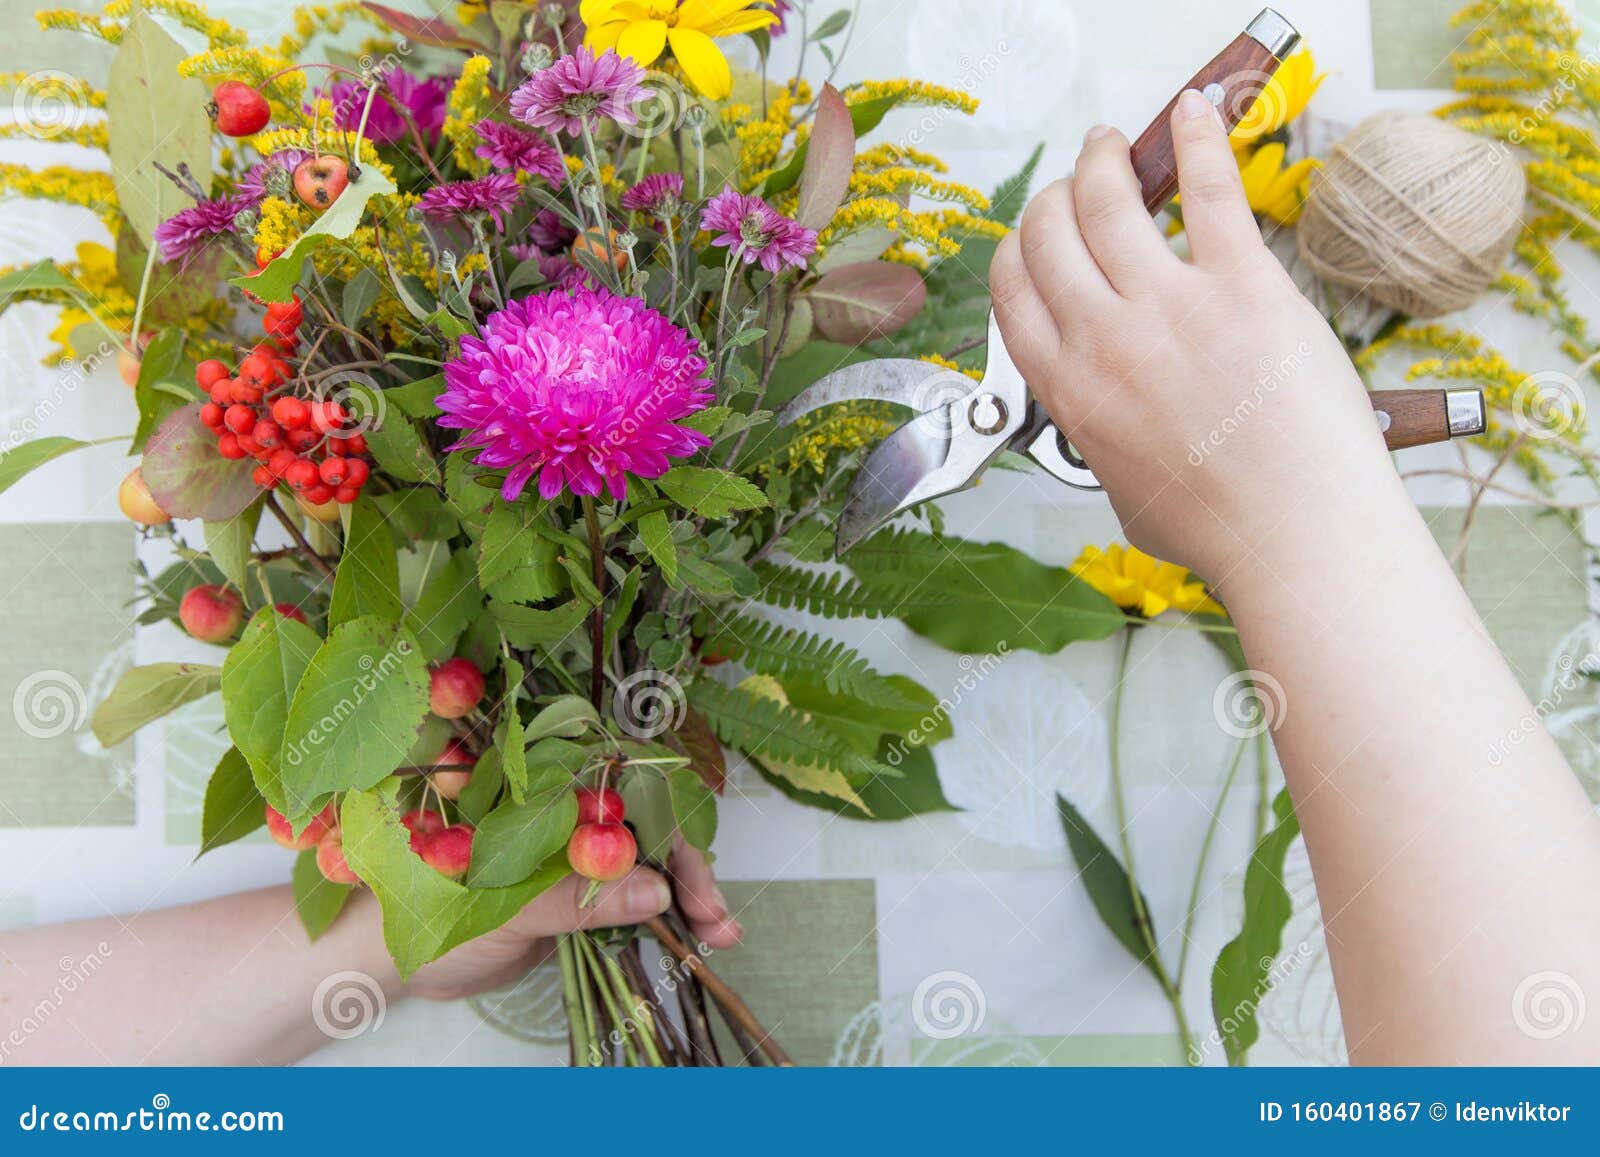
700,744
869,300
826,177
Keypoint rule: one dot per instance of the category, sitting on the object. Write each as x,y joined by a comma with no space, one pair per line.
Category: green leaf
424,913
16,464
915,791
514,563
1107,884
510,740
864,116
418,513
233,807
656,534
398,447
767,727
1011,195
648,802
694,807
354,715
368,580
229,543
515,838
526,627
360,294
567,717
769,648
317,900
712,493
919,721
709,420
832,595
483,788
155,117
416,399
160,390
447,604
188,477
981,598
1243,966
145,694
259,678
276,282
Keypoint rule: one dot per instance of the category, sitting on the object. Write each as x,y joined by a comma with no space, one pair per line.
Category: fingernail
718,901
736,928
648,895
1095,133
1192,104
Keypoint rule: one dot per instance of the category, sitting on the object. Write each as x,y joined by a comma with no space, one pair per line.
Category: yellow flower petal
643,40
702,62
603,36
740,22
699,13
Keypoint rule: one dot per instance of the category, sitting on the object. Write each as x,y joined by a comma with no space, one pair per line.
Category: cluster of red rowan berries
305,444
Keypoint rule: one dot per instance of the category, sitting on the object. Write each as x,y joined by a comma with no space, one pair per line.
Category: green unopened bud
537,58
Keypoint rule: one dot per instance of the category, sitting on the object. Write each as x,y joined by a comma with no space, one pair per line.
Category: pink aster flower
497,194
580,390
660,195
519,151
187,231
549,232
272,175
744,221
579,89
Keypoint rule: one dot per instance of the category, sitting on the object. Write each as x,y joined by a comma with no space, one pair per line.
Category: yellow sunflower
1136,582
644,29
1284,98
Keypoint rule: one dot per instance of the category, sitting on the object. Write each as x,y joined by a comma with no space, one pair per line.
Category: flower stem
577,1025
1136,895
597,620
1205,852
1264,798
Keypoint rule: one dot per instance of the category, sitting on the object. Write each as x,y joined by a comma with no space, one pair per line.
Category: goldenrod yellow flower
1278,192
1135,581
644,29
1284,98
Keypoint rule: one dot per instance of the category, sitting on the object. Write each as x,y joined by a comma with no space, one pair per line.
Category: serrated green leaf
317,900
1241,972
397,445
757,719
1011,195
656,534
233,808
510,740
353,717
416,399
710,492
516,838
259,678
514,563
448,603
367,582
526,627
145,694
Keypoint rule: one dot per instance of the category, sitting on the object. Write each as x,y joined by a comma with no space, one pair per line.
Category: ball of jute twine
1413,212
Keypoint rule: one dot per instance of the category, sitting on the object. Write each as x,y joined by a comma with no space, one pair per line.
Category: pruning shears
960,426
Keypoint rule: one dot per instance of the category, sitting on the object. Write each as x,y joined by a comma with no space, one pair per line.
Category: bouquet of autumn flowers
455,354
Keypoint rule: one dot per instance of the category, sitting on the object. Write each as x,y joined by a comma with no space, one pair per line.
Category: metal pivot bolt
987,414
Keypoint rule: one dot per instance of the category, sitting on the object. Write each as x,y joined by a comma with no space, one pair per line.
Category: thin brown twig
302,545
726,998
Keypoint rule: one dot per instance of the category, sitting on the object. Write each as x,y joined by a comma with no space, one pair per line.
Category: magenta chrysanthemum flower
497,194
743,221
580,390
279,169
660,195
187,231
519,151
426,98
579,89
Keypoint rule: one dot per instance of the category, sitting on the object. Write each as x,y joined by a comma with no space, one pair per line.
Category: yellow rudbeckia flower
1271,189
1284,98
644,29
1136,582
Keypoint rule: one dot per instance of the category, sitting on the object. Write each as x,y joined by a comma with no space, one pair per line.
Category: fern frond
771,730
769,648
835,596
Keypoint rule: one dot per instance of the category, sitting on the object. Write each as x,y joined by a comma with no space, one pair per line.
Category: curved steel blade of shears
919,386
905,468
